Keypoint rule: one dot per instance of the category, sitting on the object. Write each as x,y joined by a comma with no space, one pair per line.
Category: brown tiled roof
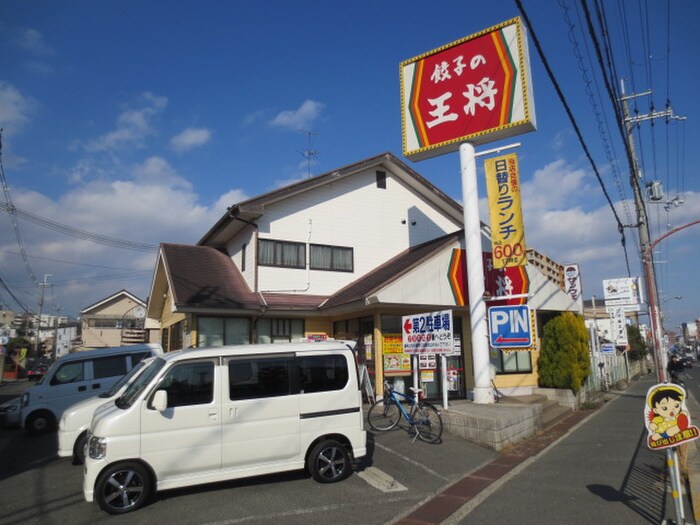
390,271
203,277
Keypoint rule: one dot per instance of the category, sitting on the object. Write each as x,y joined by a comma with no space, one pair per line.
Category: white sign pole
443,377
483,393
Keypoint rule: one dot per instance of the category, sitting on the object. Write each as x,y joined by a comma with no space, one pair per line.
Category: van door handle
96,385
213,414
82,388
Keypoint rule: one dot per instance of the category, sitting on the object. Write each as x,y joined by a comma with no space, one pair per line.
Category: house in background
345,255
116,320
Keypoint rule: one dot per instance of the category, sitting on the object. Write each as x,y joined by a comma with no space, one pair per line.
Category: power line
550,74
11,210
115,242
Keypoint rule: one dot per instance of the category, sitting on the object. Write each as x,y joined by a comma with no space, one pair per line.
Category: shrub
564,358
638,347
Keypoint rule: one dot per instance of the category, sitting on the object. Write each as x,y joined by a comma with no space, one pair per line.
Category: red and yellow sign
498,282
505,210
476,90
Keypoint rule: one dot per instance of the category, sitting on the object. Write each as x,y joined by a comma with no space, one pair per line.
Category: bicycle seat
416,390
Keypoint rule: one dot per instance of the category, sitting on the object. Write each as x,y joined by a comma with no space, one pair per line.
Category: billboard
505,211
476,89
428,333
622,292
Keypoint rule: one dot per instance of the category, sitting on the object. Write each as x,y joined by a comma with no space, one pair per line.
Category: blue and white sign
510,326
607,348
428,333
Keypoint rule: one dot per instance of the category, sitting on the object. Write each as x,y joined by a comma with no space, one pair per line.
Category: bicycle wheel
427,422
384,414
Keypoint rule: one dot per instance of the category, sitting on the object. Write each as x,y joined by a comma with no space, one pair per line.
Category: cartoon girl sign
666,417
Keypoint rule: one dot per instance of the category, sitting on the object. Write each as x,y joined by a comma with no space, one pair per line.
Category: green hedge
564,357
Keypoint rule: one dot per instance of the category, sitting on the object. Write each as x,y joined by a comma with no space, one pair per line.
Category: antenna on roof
309,153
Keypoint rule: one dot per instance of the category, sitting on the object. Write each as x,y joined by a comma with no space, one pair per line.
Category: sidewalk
590,467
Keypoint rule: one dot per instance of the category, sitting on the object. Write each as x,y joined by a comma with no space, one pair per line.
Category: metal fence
607,371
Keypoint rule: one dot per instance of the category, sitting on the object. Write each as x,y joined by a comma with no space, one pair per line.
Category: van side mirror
160,400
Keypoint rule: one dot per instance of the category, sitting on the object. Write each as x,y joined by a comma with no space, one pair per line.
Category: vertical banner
505,210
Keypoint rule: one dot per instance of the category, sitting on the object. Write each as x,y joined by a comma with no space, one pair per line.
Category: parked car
37,372
223,413
11,413
75,377
73,428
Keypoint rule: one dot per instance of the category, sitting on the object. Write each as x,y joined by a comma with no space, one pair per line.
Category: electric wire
560,94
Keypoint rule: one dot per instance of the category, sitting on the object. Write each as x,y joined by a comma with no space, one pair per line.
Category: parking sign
510,326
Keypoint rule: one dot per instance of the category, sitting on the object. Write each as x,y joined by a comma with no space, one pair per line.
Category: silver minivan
207,415
75,377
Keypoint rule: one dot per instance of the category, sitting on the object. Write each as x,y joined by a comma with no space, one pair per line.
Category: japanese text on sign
428,333
505,210
474,89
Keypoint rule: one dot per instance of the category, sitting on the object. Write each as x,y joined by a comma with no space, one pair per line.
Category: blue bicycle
423,418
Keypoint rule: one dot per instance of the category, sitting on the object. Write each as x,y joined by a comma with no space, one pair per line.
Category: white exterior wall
235,250
351,212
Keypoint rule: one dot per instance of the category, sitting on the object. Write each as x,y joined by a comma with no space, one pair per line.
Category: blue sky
144,120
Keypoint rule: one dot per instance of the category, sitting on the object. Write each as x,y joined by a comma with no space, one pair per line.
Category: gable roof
111,298
203,277
391,270
245,212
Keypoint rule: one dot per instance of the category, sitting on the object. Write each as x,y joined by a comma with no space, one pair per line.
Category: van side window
189,384
110,366
321,373
256,377
69,373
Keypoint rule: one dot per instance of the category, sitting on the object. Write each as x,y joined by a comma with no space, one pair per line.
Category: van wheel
123,487
329,461
40,422
79,449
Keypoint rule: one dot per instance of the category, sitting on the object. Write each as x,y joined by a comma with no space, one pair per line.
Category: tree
564,357
638,347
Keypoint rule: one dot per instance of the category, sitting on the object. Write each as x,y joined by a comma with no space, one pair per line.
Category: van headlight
97,447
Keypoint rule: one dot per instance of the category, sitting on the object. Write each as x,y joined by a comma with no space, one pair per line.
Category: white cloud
300,118
33,42
16,109
157,171
190,138
133,125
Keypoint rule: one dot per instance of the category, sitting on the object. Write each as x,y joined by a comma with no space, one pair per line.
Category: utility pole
647,257
644,239
54,354
42,286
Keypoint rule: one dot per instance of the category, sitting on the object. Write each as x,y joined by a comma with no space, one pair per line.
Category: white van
75,377
207,415
74,424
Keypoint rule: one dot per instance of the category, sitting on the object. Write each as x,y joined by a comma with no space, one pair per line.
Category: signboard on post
506,212
510,327
475,90
667,418
429,333
619,325
622,292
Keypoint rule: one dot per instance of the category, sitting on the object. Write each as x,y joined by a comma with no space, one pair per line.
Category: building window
219,331
279,330
243,250
513,362
334,258
381,180
285,254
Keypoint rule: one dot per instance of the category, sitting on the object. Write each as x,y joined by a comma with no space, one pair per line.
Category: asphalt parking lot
396,476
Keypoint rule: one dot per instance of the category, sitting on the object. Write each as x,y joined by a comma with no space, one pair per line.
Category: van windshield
125,379
133,391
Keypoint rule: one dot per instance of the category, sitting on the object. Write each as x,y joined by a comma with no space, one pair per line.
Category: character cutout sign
666,417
